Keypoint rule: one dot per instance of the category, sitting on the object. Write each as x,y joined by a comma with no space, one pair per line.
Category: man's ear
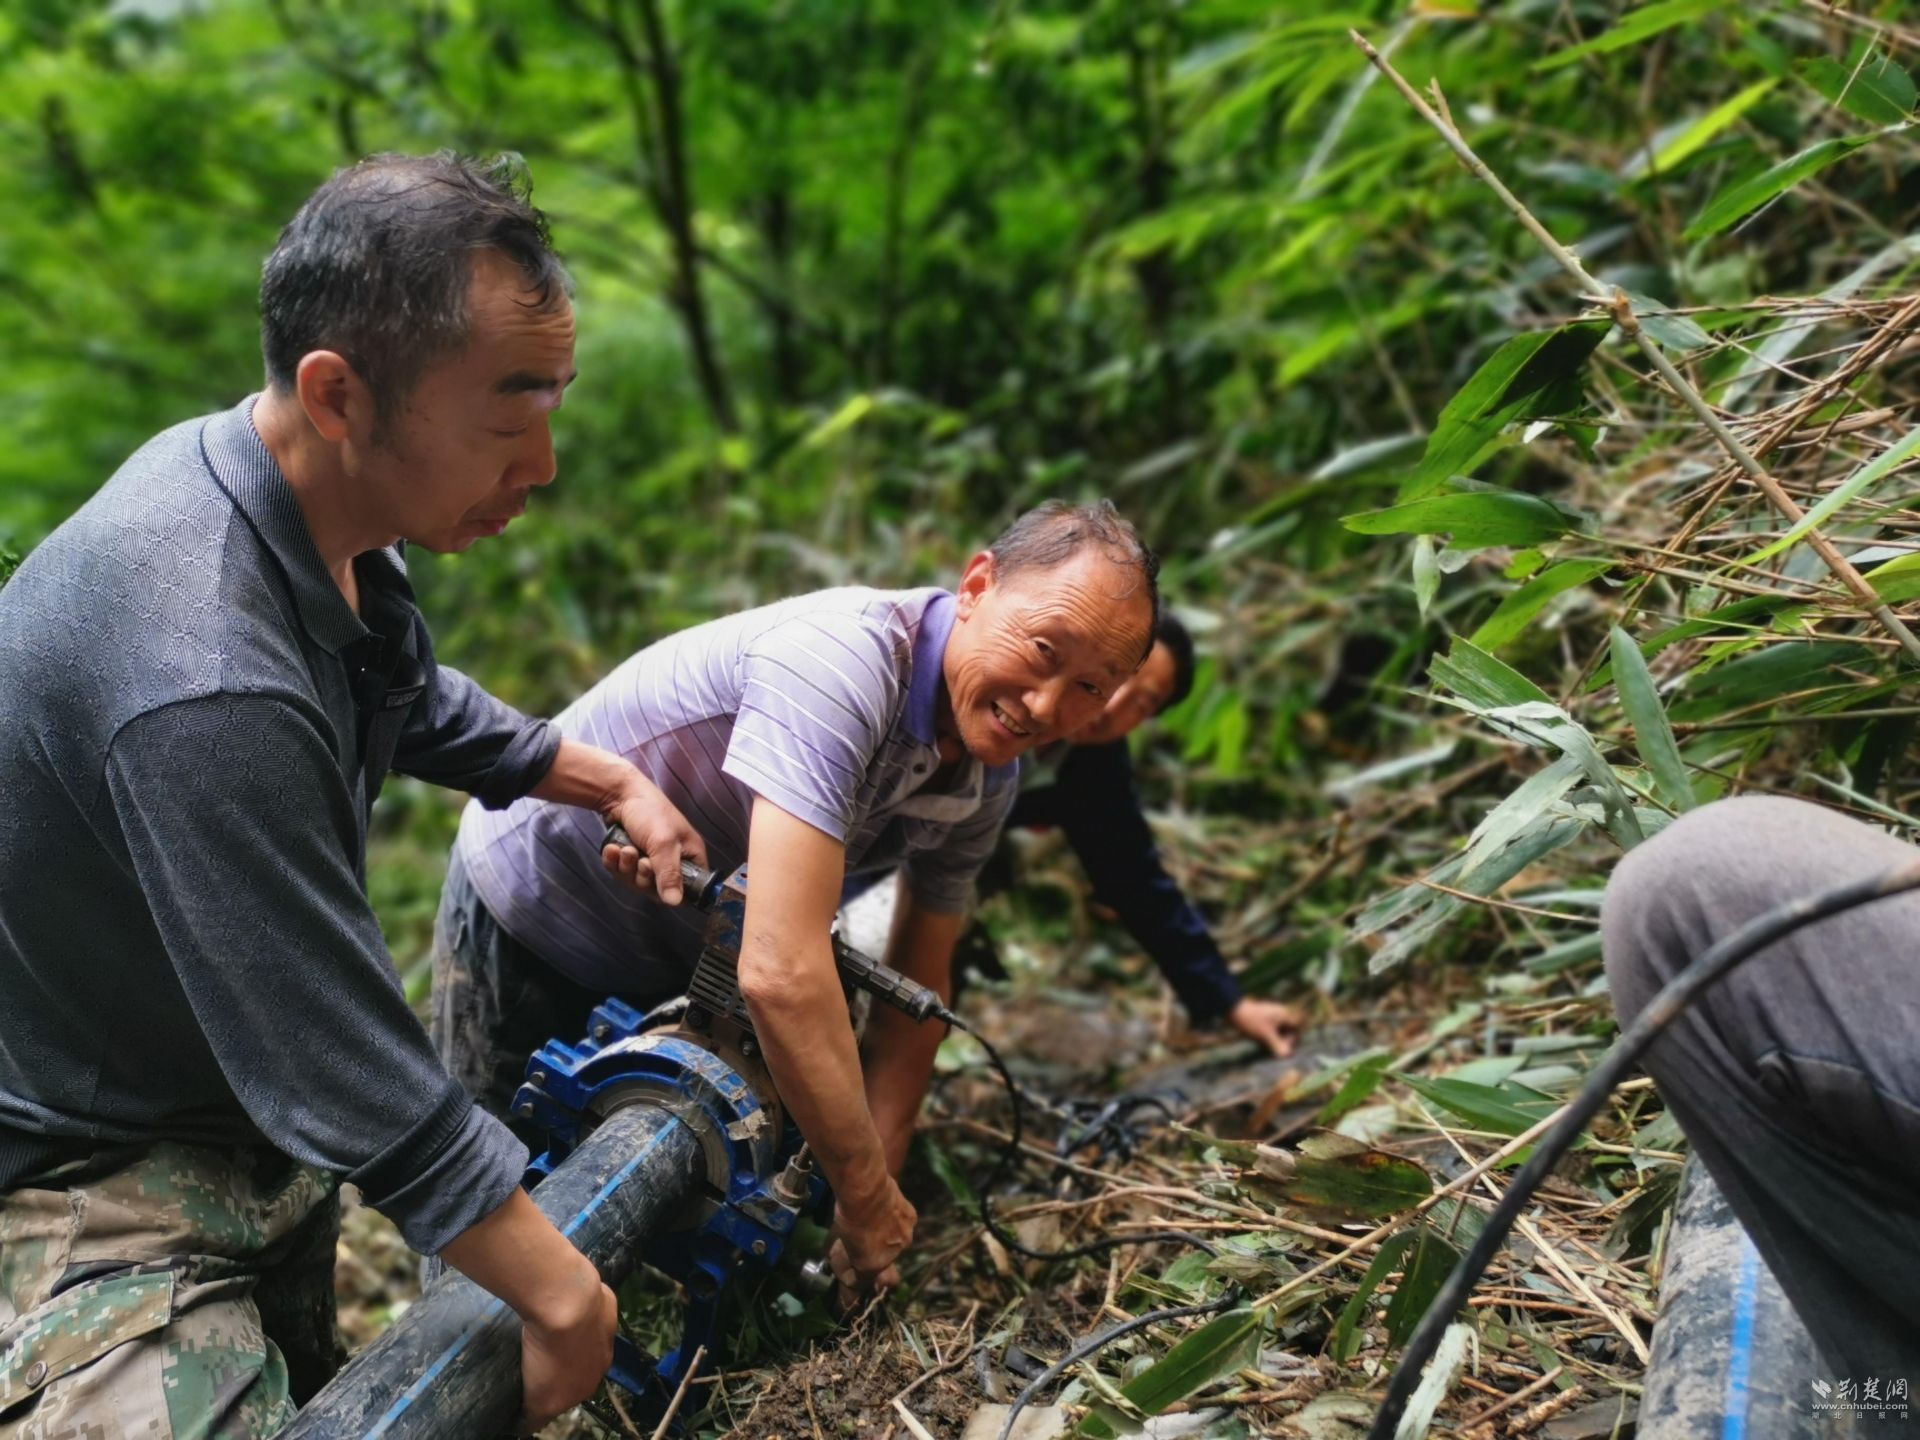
336,400
975,581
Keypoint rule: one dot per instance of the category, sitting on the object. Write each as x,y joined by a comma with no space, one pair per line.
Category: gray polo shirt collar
246,471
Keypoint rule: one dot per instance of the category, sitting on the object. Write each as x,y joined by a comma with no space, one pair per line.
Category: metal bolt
36,1372
759,1248
525,1107
539,1077
602,1030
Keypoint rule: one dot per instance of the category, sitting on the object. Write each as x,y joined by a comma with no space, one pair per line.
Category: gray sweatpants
1797,1078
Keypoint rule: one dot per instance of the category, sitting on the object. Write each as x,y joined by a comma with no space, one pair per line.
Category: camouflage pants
167,1292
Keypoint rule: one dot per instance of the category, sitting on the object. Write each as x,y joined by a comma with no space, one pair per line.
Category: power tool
666,1144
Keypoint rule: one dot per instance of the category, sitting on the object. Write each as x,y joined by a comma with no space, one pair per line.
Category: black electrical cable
1752,937
1010,1152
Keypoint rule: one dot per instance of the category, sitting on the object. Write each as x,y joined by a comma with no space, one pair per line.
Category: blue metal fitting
744,1212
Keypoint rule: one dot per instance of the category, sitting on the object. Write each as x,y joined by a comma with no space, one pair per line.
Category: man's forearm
900,1055
800,1019
900,1051
598,780
517,1254
587,776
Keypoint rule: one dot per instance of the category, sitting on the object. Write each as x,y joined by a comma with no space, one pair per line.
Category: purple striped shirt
824,704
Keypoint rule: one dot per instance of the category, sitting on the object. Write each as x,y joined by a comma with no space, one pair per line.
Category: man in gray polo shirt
204,676
848,730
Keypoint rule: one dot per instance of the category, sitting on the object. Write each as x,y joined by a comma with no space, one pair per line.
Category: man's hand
564,1353
866,1240
652,822
1274,1025
597,779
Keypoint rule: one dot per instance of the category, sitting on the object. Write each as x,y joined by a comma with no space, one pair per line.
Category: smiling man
845,731
205,674
1086,788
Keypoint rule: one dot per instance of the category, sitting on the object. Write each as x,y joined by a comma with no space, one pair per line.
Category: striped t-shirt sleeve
819,693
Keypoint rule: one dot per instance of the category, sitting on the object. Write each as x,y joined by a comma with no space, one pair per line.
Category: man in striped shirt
845,731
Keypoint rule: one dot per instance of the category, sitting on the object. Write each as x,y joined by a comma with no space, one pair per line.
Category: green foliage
1223,1344
1743,198
1867,86
1340,1177
1638,697
1471,521
1637,26
1530,375
926,263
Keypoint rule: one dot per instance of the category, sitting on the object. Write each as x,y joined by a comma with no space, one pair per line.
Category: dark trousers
1797,1078
495,1002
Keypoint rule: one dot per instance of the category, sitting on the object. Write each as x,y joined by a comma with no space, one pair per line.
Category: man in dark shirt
1091,797
205,674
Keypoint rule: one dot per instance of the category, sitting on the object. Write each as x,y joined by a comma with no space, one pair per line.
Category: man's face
1144,696
472,443
1036,657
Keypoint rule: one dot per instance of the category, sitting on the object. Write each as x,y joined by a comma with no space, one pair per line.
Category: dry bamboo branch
1624,316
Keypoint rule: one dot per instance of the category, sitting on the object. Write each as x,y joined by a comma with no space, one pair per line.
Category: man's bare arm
567,1315
791,989
899,1059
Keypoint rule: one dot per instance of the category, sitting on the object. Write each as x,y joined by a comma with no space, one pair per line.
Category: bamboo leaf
1897,580
1426,574
1355,1090
1544,723
1697,136
1530,375
850,414
1519,608
1539,792
1480,680
1652,734
1220,1346
1345,1343
1425,1272
1504,1110
1745,196
1471,520
1635,26
1355,1182
1673,332
1868,87
1852,488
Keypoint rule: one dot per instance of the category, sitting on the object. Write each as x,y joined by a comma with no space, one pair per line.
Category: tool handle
889,986
860,971
699,881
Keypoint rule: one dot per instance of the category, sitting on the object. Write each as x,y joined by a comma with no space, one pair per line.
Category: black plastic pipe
450,1366
1731,1359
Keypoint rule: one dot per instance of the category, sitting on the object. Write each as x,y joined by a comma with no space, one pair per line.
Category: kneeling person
847,730
1086,788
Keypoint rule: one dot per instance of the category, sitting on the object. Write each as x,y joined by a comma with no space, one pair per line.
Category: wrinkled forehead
1099,610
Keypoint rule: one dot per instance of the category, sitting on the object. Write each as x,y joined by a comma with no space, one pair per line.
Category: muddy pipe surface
1731,1359
450,1366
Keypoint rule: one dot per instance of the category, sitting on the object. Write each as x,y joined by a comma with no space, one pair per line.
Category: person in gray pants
1797,1077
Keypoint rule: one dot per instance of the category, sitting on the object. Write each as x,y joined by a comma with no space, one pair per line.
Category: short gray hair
377,263
1054,531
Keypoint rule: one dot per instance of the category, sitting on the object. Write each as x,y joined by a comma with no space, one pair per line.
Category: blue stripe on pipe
459,1342
1733,1421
